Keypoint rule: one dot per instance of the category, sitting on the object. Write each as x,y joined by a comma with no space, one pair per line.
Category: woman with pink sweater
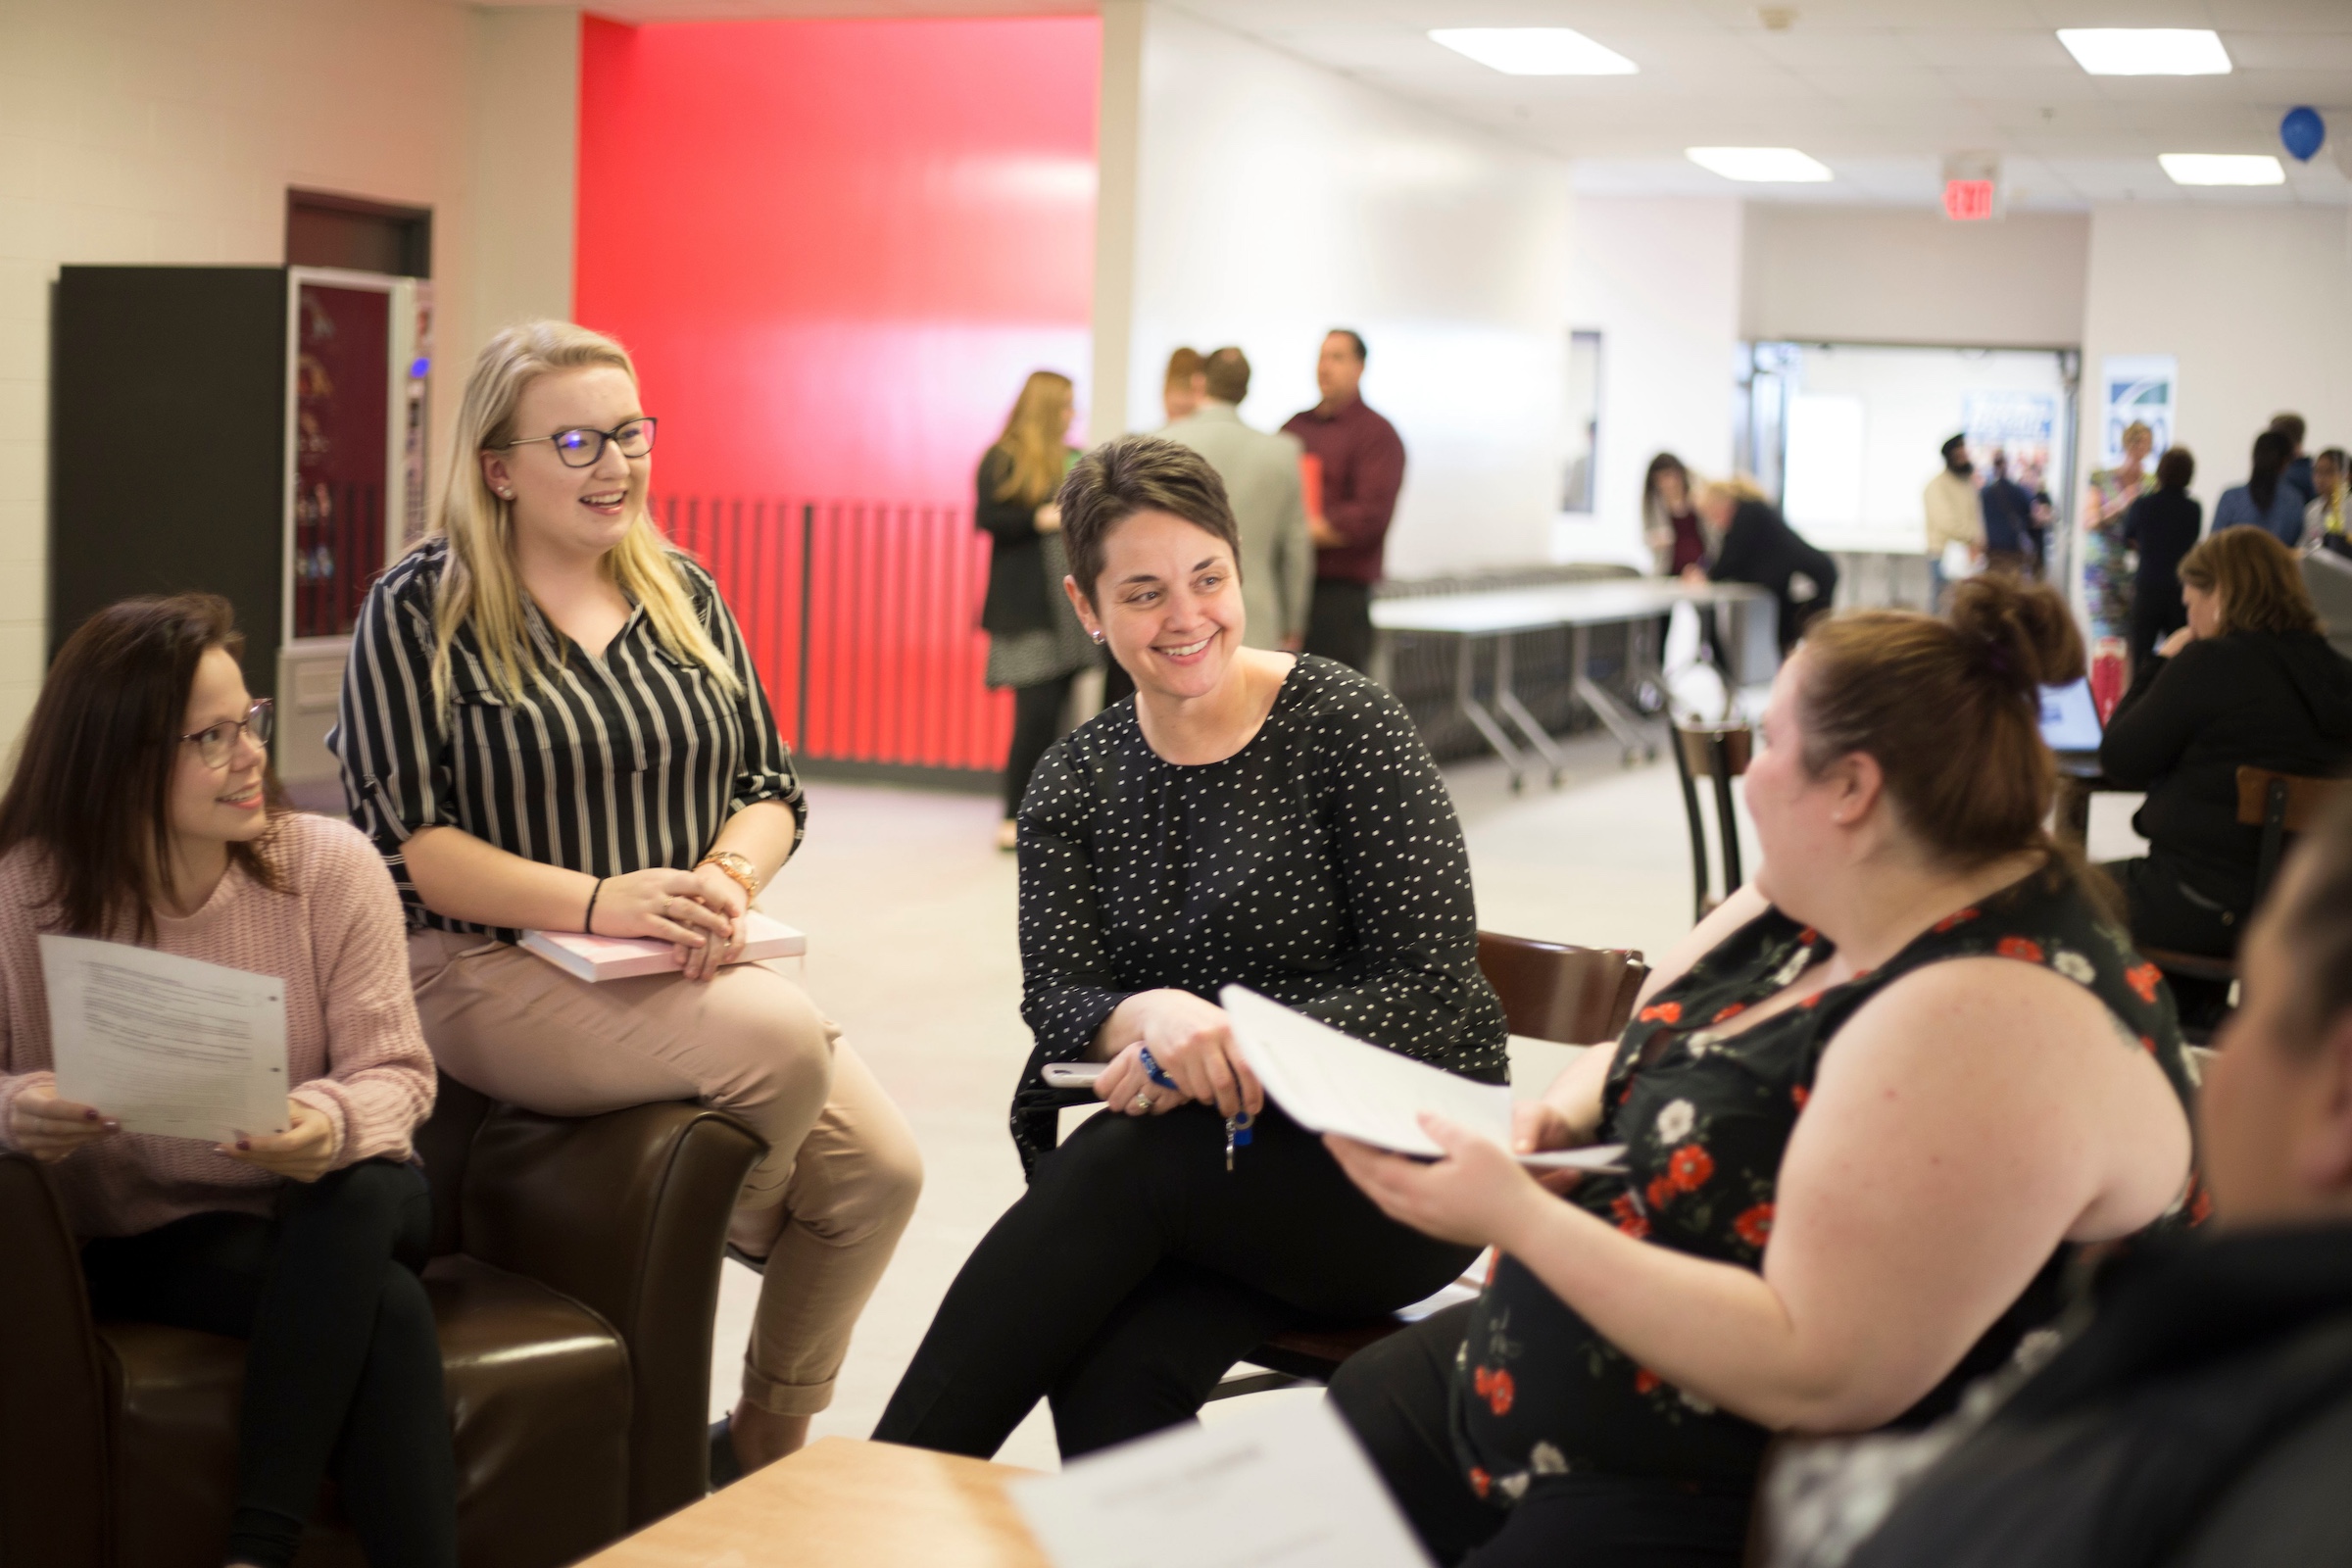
140,812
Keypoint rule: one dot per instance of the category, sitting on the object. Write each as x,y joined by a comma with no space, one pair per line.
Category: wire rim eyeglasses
216,743
580,446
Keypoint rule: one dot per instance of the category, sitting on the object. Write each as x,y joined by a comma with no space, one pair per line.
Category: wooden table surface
842,1503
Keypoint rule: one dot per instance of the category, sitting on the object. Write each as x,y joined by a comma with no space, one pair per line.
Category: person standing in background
1669,521
1277,557
2297,474
2163,526
1363,469
2007,507
2106,573
1953,517
2266,501
1187,384
2323,518
2034,478
1035,644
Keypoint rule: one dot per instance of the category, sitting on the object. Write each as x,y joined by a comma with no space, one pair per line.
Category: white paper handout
1282,1487
165,1043
1329,1082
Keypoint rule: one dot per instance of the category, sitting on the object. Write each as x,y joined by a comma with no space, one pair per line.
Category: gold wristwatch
736,868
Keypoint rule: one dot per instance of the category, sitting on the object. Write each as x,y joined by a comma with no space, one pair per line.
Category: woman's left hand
302,1153
722,894
1478,1195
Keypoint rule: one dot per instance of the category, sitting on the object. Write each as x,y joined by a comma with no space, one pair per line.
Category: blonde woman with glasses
550,722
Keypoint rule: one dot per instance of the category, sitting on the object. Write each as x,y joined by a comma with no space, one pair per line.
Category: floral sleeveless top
1704,1117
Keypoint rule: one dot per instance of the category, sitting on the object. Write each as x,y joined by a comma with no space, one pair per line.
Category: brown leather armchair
574,1277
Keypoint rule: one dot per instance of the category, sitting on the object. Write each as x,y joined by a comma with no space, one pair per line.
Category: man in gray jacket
1261,479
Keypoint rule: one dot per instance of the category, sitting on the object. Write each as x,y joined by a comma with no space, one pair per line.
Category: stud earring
1098,636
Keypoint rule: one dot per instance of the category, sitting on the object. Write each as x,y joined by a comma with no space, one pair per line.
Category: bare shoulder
2014,1039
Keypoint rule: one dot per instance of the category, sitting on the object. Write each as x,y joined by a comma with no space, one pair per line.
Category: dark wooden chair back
2279,804
1551,990
1719,753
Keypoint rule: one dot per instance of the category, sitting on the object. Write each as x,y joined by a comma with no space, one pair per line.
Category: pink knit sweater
353,1044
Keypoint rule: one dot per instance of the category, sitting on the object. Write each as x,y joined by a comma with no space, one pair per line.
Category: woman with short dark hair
2249,681
2162,526
1255,817
1871,1106
141,812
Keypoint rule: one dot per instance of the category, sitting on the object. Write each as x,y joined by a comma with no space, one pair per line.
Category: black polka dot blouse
1321,864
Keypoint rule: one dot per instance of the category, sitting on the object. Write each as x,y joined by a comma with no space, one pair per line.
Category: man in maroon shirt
1364,467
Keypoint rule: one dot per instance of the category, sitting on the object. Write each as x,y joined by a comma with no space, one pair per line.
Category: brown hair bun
1950,711
2030,636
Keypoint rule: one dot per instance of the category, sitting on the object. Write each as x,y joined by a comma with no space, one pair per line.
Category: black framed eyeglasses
578,447
215,742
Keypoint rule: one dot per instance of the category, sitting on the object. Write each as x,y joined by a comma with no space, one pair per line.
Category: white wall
2251,301
168,131
1659,277
524,164
1273,200
1878,275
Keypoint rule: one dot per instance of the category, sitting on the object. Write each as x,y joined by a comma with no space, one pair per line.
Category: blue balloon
2302,130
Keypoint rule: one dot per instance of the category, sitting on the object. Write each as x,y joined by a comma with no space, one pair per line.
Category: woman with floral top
2106,570
1803,1239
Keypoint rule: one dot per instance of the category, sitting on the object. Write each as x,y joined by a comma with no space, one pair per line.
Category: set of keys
1237,1125
1237,1134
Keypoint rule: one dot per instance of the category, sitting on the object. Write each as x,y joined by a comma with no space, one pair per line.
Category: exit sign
1968,199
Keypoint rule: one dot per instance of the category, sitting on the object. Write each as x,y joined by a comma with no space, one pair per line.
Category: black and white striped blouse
610,765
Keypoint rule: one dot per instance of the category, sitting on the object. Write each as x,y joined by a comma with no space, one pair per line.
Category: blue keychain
1237,1134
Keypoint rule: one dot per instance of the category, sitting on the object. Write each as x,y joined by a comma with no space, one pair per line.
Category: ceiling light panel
2146,51
2223,169
1534,51
1776,165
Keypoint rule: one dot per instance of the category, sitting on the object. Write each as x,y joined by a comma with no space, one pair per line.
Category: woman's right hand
1193,1042
1048,518
49,1128
1537,1126
658,902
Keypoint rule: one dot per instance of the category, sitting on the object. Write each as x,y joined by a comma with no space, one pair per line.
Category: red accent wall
836,248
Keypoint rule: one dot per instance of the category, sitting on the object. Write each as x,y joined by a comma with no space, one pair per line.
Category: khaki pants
827,1203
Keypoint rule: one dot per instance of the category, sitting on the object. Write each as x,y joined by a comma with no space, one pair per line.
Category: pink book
595,959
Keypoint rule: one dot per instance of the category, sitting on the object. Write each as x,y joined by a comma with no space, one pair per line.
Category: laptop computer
2070,726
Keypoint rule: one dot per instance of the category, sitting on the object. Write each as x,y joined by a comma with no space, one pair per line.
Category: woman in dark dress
1870,1106
2163,526
1258,818
1760,548
1035,645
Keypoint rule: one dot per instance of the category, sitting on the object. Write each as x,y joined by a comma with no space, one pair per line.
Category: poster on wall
2136,386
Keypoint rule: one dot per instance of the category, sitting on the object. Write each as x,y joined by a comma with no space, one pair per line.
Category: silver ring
1142,1102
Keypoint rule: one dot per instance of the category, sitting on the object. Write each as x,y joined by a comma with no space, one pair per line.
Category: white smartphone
1072,1074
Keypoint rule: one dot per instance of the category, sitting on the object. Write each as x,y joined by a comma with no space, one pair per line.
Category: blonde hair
479,581
1034,433
1738,488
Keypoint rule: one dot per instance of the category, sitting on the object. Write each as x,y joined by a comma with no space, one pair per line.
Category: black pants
1395,1396
1137,1270
342,1367
1036,724
1339,623
2154,618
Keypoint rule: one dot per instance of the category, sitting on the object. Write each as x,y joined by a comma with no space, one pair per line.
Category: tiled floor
910,913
